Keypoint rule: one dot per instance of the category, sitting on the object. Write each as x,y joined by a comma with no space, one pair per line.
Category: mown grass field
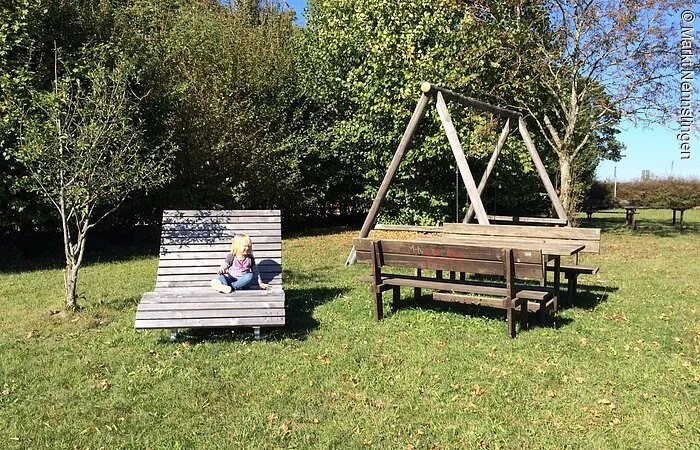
621,371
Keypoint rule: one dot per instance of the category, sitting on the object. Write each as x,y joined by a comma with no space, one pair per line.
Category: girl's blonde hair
239,241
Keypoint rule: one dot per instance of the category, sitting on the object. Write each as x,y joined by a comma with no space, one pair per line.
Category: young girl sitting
238,269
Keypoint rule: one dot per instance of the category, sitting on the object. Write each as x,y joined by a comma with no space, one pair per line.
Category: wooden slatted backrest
590,237
453,258
194,244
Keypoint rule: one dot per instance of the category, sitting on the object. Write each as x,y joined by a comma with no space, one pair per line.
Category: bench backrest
590,237
452,258
194,244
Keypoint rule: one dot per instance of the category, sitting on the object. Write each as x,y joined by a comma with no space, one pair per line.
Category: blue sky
653,148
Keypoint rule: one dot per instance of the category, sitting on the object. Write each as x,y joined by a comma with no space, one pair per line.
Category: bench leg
510,323
173,335
417,291
523,315
571,287
378,305
256,333
395,298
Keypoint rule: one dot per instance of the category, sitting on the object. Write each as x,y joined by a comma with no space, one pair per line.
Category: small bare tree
84,152
601,60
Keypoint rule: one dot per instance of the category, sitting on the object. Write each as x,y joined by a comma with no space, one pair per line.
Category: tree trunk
70,279
565,185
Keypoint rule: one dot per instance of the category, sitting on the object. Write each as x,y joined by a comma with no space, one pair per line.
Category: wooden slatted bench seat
589,237
508,264
193,245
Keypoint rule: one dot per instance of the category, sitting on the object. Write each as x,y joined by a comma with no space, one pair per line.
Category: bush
660,192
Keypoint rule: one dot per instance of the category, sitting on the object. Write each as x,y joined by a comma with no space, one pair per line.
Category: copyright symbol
688,16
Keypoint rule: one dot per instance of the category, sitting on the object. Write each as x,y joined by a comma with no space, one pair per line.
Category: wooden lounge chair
193,245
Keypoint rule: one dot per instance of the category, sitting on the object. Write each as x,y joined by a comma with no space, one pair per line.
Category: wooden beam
414,228
391,172
553,196
489,167
432,89
462,163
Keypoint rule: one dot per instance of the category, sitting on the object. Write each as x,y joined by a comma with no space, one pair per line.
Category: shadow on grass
44,251
301,304
426,302
588,297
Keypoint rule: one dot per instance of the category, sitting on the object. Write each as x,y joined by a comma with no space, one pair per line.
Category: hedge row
654,193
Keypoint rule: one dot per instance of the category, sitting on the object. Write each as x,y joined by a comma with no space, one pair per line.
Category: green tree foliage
364,62
661,192
19,29
220,84
84,151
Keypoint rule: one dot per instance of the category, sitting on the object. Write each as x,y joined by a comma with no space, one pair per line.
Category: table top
547,247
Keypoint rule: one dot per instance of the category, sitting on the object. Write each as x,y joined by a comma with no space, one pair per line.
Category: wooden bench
589,237
193,245
507,264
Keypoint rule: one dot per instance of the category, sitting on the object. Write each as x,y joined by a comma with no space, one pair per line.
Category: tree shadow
300,306
31,251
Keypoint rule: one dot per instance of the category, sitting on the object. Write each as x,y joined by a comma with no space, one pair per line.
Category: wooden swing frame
476,208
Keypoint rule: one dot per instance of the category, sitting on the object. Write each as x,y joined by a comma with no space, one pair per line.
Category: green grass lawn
621,371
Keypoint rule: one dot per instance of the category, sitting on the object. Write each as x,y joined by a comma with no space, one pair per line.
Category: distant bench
193,245
508,264
590,237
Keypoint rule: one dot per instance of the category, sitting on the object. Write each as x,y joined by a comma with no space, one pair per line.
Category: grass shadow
300,305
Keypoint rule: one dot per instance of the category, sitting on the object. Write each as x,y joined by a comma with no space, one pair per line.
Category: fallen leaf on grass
604,401
551,394
477,390
615,421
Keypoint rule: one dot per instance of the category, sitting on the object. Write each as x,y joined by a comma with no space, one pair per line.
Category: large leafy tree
598,61
83,150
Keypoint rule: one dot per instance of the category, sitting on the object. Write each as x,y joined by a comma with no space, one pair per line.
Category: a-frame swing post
489,168
541,170
391,172
462,163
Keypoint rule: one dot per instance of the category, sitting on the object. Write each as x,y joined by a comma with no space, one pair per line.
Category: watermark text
685,114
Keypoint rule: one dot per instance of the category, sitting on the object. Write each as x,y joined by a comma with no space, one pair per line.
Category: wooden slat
416,228
522,231
203,213
208,313
245,295
211,323
199,306
404,247
222,227
213,262
475,287
202,285
479,266
521,219
561,247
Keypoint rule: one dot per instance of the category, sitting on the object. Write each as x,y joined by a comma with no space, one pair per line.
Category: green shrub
661,192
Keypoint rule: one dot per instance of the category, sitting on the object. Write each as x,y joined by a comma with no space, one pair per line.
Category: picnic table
631,210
